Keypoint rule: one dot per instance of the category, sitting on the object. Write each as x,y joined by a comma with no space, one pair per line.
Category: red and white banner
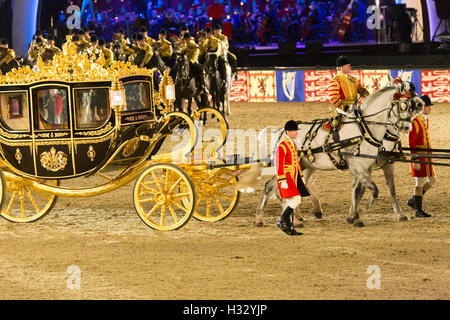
262,86
374,80
316,85
436,84
239,88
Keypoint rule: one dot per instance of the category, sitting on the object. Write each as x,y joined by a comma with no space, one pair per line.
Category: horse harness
366,135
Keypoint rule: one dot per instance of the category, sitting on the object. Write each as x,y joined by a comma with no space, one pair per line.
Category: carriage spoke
13,198
149,188
163,215
32,200
174,185
172,211
158,183
48,197
219,206
156,207
208,207
147,200
22,209
219,194
180,206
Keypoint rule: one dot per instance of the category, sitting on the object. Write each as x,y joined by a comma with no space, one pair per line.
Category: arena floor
121,258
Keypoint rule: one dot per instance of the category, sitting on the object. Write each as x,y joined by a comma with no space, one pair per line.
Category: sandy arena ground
121,258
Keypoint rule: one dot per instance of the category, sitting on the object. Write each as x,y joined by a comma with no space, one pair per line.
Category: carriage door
52,143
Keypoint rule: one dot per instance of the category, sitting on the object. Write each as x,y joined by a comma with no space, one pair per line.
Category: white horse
228,73
379,114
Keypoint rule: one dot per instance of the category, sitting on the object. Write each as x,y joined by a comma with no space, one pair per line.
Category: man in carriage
343,92
289,177
424,174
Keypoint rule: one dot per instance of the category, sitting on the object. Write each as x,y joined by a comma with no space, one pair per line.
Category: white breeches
421,181
294,202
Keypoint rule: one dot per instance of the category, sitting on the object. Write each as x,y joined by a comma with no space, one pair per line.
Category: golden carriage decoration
74,118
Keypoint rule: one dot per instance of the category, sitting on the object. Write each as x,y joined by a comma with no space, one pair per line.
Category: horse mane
375,95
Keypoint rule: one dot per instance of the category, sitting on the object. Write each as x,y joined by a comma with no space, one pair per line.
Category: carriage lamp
117,95
167,92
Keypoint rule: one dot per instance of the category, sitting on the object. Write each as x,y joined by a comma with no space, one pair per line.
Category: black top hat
187,36
143,29
342,61
291,125
139,37
101,42
217,27
94,38
427,100
163,32
3,41
208,30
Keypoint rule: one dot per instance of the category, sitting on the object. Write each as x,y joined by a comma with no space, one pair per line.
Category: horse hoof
350,220
259,224
299,225
403,218
317,214
359,224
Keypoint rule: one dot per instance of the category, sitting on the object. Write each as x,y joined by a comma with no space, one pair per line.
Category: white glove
416,166
284,185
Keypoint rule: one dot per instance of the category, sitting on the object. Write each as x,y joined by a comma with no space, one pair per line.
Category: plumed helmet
291,125
342,61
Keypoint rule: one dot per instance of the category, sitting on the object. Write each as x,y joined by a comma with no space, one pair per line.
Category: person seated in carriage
231,58
104,52
7,55
344,90
49,50
192,51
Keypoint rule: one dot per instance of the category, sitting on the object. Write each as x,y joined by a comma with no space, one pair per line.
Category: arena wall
297,85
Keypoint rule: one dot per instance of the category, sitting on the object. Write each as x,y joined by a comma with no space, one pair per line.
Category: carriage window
137,96
52,106
14,111
92,107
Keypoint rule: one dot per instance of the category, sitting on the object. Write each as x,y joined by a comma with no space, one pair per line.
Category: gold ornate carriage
73,118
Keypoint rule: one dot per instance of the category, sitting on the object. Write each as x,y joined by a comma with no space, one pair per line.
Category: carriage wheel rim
22,195
167,194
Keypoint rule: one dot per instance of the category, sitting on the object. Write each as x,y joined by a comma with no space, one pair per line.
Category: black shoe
411,202
287,228
419,213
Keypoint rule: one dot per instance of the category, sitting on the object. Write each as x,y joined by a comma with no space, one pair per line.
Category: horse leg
269,189
388,171
317,211
358,190
189,108
370,184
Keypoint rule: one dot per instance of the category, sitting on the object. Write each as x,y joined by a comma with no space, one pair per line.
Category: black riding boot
285,222
419,213
412,201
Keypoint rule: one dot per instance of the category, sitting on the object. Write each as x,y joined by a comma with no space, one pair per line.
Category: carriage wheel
217,195
23,203
212,131
164,197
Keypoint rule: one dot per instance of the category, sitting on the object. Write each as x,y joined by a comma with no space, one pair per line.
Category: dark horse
155,61
214,82
185,85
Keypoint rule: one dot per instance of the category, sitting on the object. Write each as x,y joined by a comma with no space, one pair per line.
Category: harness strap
368,136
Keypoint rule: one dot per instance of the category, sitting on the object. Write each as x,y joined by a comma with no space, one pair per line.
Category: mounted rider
192,51
143,52
231,58
120,37
214,50
149,40
343,92
164,48
289,177
424,174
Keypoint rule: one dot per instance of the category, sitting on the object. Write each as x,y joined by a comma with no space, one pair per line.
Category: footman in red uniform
289,177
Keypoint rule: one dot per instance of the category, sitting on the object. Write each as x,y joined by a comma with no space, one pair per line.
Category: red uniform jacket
419,137
289,170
